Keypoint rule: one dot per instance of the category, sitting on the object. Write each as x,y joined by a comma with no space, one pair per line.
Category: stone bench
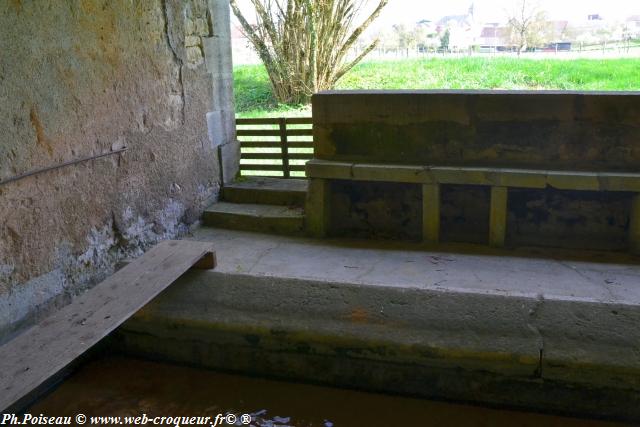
431,177
382,142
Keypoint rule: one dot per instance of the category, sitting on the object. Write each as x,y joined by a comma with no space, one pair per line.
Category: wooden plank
301,144
275,156
431,213
498,216
258,132
277,167
207,262
299,132
284,148
275,121
274,132
300,156
275,144
261,156
260,167
299,120
258,121
634,225
31,358
259,144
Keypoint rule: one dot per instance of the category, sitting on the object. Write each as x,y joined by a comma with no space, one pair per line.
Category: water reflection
128,387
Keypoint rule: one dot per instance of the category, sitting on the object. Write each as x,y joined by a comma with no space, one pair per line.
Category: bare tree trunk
304,44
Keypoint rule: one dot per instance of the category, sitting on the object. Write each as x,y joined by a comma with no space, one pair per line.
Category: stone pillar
317,207
431,213
498,216
221,120
634,225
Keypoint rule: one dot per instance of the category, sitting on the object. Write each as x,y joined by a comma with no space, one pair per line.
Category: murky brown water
122,387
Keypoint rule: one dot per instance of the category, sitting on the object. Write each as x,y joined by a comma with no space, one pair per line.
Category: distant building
633,25
493,37
463,29
243,51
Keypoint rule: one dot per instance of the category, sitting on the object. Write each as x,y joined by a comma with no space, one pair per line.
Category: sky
494,10
410,11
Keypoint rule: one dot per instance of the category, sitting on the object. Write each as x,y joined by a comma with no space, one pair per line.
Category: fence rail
261,154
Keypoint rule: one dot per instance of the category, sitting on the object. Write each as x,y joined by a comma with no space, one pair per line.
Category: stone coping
504,177
474,92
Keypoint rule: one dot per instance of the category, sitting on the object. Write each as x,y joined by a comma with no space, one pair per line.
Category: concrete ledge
323,169
250,216
503,177
476,324
269,191
399,173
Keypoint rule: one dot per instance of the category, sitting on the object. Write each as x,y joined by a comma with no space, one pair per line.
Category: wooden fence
275,146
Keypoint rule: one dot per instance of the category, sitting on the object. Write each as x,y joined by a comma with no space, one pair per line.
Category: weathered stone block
573,180
194,54
519,178
333,170
391,173
619,182
608,109
531,130
317,208
192,41
523,106
201,26
390,107
456,175
230,160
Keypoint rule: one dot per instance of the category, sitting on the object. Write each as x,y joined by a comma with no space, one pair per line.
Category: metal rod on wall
61,165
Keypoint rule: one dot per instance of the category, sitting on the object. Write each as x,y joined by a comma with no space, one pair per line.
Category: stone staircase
272,205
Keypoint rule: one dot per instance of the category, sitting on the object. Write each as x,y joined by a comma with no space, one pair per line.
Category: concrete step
554,331
255,217
268,191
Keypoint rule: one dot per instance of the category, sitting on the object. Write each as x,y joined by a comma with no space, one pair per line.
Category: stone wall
536,130
80,78
566,219
566,131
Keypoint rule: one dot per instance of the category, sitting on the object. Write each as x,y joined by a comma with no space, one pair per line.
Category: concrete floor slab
544,329
540,273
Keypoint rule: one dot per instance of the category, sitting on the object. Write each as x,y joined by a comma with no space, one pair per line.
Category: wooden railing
275,146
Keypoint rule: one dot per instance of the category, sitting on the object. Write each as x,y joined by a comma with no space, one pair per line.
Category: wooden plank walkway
30,359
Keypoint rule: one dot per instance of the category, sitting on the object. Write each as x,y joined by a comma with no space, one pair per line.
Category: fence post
284,147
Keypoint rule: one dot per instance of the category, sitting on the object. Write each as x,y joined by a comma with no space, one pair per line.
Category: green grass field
254,98
253,95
